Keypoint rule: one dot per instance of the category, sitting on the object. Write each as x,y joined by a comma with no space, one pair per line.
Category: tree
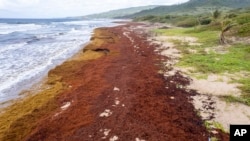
226,25
216,14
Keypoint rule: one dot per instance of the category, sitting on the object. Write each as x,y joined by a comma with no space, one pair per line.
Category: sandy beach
113,89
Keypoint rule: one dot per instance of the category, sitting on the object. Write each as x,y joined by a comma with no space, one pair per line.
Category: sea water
29,48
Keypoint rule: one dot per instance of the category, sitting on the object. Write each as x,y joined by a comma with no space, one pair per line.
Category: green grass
244,30
245,99
213,124
207,38
235,58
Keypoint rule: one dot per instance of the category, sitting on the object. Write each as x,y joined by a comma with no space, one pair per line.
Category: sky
69,8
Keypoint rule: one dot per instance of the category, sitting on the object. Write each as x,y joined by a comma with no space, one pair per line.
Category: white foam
9,28
11,47
27,65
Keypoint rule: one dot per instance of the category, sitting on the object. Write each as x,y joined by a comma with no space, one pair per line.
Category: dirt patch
214,110
192,41
211,90
215,85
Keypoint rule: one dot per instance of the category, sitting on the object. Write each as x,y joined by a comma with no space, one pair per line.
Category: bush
189,22
214,26
244,30
148,18
231,15
205,21
244,18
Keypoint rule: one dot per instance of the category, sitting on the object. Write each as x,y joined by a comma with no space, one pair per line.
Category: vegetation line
222,47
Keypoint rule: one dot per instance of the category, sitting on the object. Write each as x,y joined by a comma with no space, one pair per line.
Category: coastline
43,93
117,71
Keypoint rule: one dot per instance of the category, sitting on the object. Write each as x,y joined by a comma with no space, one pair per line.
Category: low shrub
243,18
189,22
244,30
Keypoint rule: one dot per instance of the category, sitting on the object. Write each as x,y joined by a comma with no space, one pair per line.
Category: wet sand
113,90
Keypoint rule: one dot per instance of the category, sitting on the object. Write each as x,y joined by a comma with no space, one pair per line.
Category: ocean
29,48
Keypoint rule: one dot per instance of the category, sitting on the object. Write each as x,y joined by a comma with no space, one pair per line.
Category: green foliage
208,37
243,18
205,20
148,18
246,86
194,7
243,24
216,14
232,23
230,15
188,22
214,26
243,99
231,60
120,12
244,30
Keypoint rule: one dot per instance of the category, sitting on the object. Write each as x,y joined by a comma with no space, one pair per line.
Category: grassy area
207,39
237,19
235,60
207,59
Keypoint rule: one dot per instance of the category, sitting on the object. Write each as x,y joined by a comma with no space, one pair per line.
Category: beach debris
117,102
114,138
106,133
127,35
214,132
172,97
66,106
57,114
106,113
116,89
179,86
138,139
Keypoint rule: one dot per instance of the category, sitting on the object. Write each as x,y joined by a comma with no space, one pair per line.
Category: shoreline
49,84
113,82
45,51
39,85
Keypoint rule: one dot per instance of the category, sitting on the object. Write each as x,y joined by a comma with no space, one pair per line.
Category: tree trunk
222,35
222,39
